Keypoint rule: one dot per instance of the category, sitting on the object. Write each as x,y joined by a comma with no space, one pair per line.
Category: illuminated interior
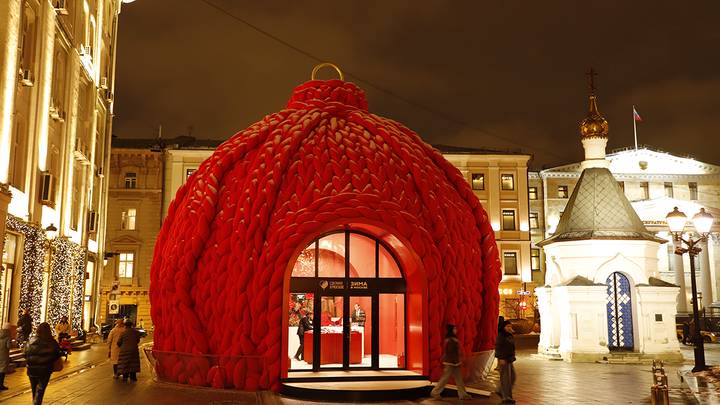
349,286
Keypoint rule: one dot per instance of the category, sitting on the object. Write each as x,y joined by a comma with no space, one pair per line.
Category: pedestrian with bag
43,357
452,360
5,343
113,348
505,353
129,357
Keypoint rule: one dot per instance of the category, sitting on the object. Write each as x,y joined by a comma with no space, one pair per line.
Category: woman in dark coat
129,359
41,354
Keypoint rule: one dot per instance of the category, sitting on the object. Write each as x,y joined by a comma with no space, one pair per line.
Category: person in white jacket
113,348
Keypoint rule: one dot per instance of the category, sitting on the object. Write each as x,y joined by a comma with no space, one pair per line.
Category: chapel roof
598,209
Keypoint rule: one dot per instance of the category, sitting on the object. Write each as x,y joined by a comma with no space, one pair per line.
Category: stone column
679,270
703,264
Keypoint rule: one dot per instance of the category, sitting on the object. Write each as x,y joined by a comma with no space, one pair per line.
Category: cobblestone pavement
539,382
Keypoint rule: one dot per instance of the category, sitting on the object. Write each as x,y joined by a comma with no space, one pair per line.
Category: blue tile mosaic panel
619,312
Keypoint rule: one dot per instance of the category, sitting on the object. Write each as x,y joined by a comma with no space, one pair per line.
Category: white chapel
602,291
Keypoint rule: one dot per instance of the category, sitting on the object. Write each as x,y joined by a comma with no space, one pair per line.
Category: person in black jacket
41,354
304,325
24,326
505,353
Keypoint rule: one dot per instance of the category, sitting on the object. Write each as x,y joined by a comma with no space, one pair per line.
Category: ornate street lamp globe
703,221
676,220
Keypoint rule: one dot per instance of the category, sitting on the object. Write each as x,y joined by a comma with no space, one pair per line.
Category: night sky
501,75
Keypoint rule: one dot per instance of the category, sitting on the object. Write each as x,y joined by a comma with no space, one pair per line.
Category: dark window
693,190
645,189
130,180
669,190
622,185
562,191
478,181
532,193
507,182
535,259
510,263
188,173
508,220
534,220
658,317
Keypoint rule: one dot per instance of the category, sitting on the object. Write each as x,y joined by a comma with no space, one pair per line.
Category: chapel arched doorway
355,287
619,312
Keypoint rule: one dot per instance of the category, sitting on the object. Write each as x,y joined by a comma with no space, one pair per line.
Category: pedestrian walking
41,354
452,360
685,332
113,348
5,344
505,353
304,325
24,326
129,357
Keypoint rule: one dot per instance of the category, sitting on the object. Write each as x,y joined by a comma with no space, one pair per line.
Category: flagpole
634,127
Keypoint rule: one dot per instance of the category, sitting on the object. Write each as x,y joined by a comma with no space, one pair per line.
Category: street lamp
702,221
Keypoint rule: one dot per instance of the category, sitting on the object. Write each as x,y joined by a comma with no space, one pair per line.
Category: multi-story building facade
654,182
500,181
133,223
56,89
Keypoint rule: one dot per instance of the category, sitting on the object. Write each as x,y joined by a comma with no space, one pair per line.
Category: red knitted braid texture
221,256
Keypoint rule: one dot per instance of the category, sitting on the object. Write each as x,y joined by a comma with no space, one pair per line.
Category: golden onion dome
594,125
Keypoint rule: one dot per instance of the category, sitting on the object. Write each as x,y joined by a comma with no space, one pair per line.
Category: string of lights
67,271
31,284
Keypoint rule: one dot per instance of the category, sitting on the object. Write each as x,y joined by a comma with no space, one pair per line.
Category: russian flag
636,116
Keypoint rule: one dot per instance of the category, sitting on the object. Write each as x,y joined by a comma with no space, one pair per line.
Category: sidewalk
18,381
539,382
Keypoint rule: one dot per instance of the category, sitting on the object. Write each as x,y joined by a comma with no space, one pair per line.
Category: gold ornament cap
594,125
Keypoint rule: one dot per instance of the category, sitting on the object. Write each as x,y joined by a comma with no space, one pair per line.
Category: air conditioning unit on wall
92,222
26,77
60,7
47,189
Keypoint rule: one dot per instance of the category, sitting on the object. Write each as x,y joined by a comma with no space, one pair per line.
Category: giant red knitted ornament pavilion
223,258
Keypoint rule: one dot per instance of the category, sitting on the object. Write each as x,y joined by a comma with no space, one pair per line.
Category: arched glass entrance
619,313
347,305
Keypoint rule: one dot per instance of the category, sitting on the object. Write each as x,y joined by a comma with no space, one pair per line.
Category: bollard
659,394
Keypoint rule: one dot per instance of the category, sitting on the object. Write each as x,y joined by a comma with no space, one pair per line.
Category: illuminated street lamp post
702,221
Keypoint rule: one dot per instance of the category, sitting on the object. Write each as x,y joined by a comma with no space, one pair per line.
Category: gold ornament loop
326,64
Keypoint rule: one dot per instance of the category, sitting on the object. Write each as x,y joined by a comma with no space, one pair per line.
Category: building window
128,219
534,220
535,259
562,191
508,220
507,182
645,190
693,190
669,190
130,180
126,265
532,193
510,263
478,181
622,185
188,173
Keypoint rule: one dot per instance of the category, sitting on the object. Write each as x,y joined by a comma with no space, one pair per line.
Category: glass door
329,342
360,339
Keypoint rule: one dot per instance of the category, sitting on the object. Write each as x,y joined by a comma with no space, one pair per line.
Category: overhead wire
447,117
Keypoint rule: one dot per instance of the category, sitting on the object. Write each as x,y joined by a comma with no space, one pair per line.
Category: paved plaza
539,382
